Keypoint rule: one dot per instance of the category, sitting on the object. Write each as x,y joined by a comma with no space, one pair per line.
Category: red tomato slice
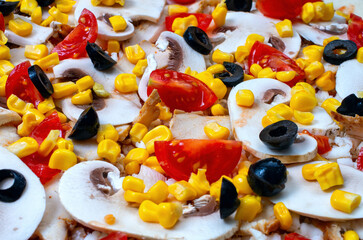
355,30
323,142
2,22
74,45
267,56
295,236
115,236
203,20
41,131
360,160
20,84
181,91
183,2
180,158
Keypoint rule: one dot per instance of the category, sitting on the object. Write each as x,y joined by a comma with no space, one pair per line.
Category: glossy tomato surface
323,142
180,158
295,236
267,56
355,30
203,20
115,236
184,1
74,45
360,160
181,91
2,22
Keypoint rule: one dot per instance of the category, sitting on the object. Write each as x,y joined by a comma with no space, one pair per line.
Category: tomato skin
181,91
74,45
360,160
178,158
323,142
115,236
203,20
20,84
2,22
267,56
355,30
295,236
183,2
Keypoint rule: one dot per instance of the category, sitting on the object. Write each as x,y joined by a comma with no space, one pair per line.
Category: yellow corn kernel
48,61
241,184
308,171
65,6
62,159
132,168
285,76
344,201
221,57
330,105
3,80
219,14
180,25
329,12
169,214
148,211
140,67
266,73
36,51
136,154
270,119
36,15
126,83
24,147
282,109
4,53
113,46
47,21
283,215
134,53
137,132
3,38
303,87
62,117
58,15
64,89
5,67
252,38
20,27
29,121
85,83
100,91
326,82
64,144
248,209
319,10
107,131
351,235
314,70
133,184
182,191
49,143
308,12
241,53
216,68
153,163
330,39
302,63
82,98
174,9
284,28
255,69
165,114
312,55
215,131
158,192
244,167
8,18
28,6
199,182
110,219
218,110
109,150
245,98
247,77
108,2
304,118
215,188
329,175
303,102
215,84
96,2
159,133
118,23
17,105
135,197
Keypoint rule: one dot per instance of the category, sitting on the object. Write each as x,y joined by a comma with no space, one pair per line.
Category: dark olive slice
279,135
236,74
267,177
15,191
7,7
87,125
332,57
229,201
351,105
40,81
44,3
239,5
198,40
100,59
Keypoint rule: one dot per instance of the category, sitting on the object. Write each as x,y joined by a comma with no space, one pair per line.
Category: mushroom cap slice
246,122
354,5
78,195
106,32
349,78
307,198
19,219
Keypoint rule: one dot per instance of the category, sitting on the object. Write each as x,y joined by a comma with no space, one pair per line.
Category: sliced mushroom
348,78
8,135
309,193
19,219
246,122
151,66
247,23
106,32
7,116
354,6
78,195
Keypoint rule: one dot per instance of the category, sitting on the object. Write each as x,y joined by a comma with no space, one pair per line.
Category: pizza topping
351,106
198,40
101,60
229,201
40,81
235,5
202,206
14,192
86,126
233,76
99,179
7,7
280,135
330,51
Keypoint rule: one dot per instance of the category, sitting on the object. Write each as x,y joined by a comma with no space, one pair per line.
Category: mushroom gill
99,180
175,56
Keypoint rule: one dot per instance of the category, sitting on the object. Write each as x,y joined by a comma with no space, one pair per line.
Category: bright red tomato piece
267,56
181,91
355,30
74,45
180,158
295,236
184,1
2,22
115,236
203,20
20,84
360,160
41,131
323,142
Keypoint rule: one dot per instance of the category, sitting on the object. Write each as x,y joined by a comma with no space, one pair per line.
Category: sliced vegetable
280,135
100,59
295,236
2,22
239,5
87,125
359,160
355,30
203,20
40,81
351,105
44,3
234,76
14,192
229,201
115,236
41,131
7,7
184,1
330,51
323,142
198,40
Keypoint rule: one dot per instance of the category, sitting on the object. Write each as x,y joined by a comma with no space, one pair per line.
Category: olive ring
236,77
331,57
14,192
197,39
41,81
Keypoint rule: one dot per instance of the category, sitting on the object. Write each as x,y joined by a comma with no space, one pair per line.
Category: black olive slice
40,81
87,125
236,74
7,7
100,59
15,191
279,135
331,57
198,40
267,177
239,5
351,105
44,3
229,201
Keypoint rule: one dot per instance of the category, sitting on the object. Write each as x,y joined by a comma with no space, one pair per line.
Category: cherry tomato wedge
115,236
180,158
41,131
20,84
295,236
323,142
203,20
360,160
2,22
267,56
74,45
355,30
181,91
